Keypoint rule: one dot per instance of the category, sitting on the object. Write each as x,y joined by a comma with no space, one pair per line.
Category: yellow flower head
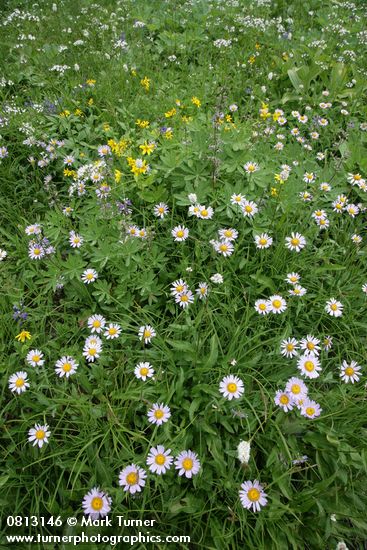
274,192
90,101
142,123
170,113
196,101
147,148
118,175
23,336
145,82
106,127
251,59
91,82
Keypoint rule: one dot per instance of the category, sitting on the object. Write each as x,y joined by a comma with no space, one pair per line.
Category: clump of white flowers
243,451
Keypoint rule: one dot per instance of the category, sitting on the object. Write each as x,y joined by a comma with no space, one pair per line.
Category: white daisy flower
96,323
289,347
228,234
296,388
334,308
357,239
34,229
364,288
205,213
178,287
225,248
263,240
253,496
237,199
96,503
75,240
66,366
310,345
202,291
249,208
262,306
36,251
132,479
89,276
160,210
297,290
310,409
91,353
184,299
292,278
39,435
187,464
112,331
18,382
3,254
217,278
146,333
93,341
251,167
309,177
159,414
34,358
284,400
180,233
350,372
309,365
143,371
295,242
327,343
159,460
231,387
277,304
324,186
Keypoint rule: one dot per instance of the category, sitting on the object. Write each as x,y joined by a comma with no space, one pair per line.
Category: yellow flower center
37,251
334,307
296,388
97,503
184,298
293,279
262,306
248,208
203,290
284,399
180,234
310,345
159,414
223,247
36,358
179,288
92,351
147,334
357,177
228,233
251,168
187,464
144,371
290,347
112,331
310,411
161,210
204,213
132,478
263,241
295,241
40,434
349,371
67,367
277,304
309,366
253,494
232,387
160,459
96,324
19,383
89,276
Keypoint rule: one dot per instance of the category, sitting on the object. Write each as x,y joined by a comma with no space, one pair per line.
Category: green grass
98,417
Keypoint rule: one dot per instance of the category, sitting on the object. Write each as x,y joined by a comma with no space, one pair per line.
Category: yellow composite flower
142,123
170,113
23,336
91,82
196,101
147,148
118,175
145,82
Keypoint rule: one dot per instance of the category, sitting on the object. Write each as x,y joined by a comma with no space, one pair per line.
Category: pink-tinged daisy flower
284,400
292,278
310,345
96,323
184,299
89,276
352,210
263,240
231,387
295,242
159,414
39,435
251,167
309,365
96,503
159,460
237,199
334,308
75,240
36,251
34,358
91,353
289,347
309,177
34,229
327,343
18,382
143,371
263,307
187,464
350,372
146,333
277,304
253,496
178,287
296,388
66,366
364,288
310,409
297,290
112,331
180,233
205,213
132,479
